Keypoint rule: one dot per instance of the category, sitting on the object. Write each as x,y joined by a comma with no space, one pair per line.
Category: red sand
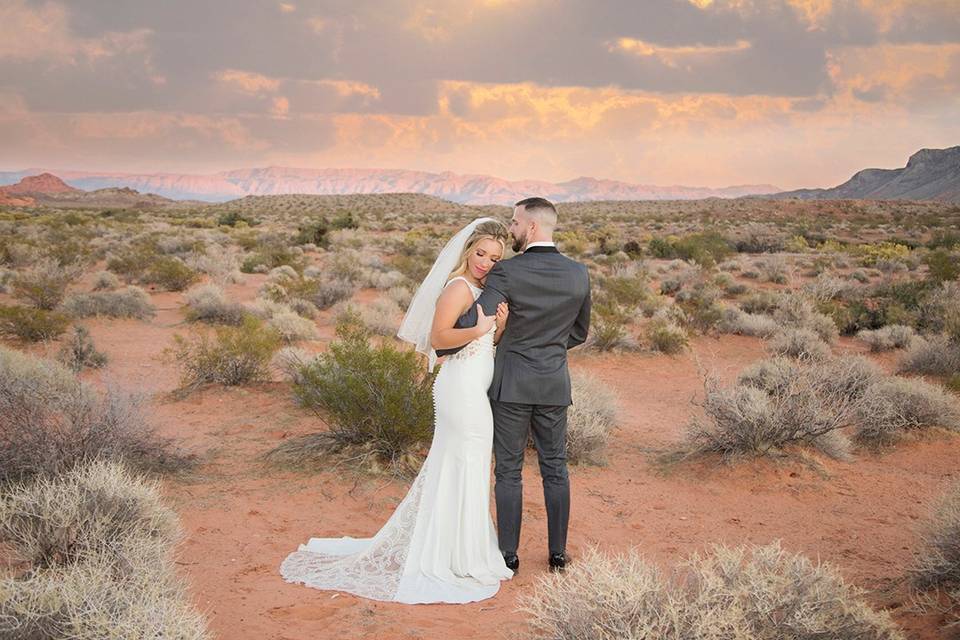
241,518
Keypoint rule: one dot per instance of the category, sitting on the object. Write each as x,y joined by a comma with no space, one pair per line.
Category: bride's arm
453,301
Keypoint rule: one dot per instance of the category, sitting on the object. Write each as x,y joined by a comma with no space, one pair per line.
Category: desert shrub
761,302
50,421
826,287
236,218
208,303
773,269
893,406
706,248
894,336
79,352
94,557
758,239
171,273
129,302
382,317
590,419
942,265
798,312
384,280
733,320
272,254
401,295
233,356
627,286
936,355
30,324
937,563
608,327
289,325
665,336
331,291
778,403
871,253
44,284
376,398
756,592
105,281
772,375
700,304
799,343
313,232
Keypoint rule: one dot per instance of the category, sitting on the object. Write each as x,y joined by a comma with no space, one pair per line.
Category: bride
440,544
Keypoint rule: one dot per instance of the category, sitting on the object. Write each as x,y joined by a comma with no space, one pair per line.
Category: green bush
314,232
31,325
608,326
666,337
376,398
705,248
232,218
171,273
234,356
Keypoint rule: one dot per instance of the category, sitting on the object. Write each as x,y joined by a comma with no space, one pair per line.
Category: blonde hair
490,230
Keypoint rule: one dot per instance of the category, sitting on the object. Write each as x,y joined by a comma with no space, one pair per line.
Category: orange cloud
247,82
674,56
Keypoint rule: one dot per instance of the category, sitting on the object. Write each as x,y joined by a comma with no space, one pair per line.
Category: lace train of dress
440,544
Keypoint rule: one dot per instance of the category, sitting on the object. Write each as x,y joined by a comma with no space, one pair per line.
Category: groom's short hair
540,207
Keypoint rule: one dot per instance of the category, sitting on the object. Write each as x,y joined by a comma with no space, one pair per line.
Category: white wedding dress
440,544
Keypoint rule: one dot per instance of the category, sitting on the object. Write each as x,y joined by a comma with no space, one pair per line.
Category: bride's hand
484,322
503,310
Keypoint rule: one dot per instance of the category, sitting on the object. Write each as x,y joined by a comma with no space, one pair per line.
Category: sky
793,93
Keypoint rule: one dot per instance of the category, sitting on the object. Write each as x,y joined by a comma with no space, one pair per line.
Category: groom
549,299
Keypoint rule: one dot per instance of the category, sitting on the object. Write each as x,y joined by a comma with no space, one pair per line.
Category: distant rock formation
48,189
930,174
464,189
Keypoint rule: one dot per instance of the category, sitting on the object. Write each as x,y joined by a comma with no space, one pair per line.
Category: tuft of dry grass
50,421
590,419
129,302
755,592
92,553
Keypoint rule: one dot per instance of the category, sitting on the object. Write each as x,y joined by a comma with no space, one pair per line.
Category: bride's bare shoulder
455,295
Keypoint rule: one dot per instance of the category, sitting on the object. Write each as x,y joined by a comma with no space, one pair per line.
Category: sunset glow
699,92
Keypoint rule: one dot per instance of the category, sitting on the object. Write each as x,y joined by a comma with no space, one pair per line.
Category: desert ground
673,283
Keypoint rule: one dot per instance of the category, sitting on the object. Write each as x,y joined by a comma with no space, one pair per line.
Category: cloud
697,91
247,82
43,32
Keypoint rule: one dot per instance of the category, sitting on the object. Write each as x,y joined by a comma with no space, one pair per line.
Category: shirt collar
541,244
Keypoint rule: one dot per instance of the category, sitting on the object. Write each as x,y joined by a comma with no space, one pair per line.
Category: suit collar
542,249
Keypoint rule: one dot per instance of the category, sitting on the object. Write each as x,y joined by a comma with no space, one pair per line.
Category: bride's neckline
469,284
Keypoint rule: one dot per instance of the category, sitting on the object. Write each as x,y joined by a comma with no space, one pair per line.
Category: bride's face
483,257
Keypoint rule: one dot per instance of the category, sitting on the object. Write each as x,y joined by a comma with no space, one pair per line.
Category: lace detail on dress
373,572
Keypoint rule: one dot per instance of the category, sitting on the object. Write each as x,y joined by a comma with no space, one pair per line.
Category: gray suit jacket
549,298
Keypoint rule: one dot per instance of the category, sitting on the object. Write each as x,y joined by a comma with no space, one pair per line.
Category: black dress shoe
512,562
558,562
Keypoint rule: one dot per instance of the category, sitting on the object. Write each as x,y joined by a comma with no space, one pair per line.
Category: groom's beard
519,243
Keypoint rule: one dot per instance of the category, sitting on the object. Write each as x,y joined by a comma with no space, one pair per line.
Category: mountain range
464,189
930,174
